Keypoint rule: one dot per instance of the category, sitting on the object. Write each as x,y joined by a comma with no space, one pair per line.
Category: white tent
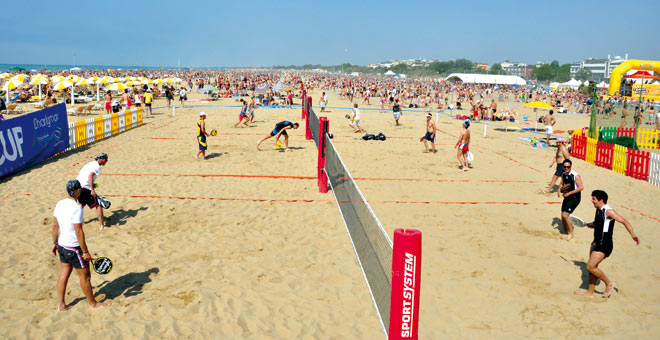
473,78
586,83
389,73
602,85
75,69
574,84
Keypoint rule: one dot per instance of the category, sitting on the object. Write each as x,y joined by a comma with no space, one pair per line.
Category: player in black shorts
278,131
602,245
571,197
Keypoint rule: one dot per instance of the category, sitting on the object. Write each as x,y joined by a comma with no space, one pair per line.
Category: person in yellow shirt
148,99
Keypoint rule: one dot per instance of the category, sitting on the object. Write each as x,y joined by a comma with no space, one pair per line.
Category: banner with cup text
29,139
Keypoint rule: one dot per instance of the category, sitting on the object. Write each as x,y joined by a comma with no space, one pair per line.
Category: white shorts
355,122
397,115
548,129
323,105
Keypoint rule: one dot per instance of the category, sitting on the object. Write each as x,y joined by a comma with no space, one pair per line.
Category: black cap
103,156
72,186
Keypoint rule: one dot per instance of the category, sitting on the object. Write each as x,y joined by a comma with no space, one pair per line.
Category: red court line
641,213
76,163
314,177
170,122
175,138
497,153
6,197
294,200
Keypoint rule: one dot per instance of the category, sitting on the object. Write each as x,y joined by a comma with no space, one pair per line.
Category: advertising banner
29,139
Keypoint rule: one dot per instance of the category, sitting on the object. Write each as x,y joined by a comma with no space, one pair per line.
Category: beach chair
76,111
88,109
13,108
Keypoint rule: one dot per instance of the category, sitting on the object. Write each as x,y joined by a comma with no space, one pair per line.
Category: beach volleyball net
392,270
371,243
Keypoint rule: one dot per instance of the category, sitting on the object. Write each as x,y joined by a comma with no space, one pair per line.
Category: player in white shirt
355,119
87,177
69,242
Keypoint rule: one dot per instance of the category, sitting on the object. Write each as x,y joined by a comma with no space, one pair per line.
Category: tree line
545,72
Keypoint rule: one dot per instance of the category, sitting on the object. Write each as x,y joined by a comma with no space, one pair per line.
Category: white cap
202,113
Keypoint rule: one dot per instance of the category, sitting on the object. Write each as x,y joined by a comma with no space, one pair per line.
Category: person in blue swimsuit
201,136
278,131
243,114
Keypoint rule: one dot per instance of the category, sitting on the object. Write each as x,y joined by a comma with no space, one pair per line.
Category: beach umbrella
142,78
63,85
178,80
118,80
538,105
73,78
159,81
168,80
20,77
147,81
116,87
57,79
39,80
10,85
133,83
105,80
261,88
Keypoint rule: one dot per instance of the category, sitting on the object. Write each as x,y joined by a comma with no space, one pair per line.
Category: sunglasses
567,167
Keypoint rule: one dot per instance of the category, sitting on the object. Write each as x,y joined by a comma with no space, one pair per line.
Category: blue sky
265,33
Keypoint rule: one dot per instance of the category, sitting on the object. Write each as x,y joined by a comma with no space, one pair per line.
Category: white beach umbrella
73,78
159,81
39,80
116,87
105,80
133,83
56,79
63,85
10,85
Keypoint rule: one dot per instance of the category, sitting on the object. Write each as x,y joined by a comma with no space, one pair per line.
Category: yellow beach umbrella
168,80
116,87
159,81
538,105
133,83
178,80
39,79
73,78
62,85
20,77
84,82
105,80
147,81
10,85
142,78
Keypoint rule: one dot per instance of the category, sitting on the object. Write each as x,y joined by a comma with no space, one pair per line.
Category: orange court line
301,199
190,138
76,163
641,213
314,177
6,197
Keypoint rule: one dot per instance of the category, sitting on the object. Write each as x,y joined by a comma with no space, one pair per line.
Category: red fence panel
638,164
604,155
626,132
579,147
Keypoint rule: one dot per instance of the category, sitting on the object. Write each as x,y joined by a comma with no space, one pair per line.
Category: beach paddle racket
347,116
214,132
102,265
103,202
576,221
278,144
470,156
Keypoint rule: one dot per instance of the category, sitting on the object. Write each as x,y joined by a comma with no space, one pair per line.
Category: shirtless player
463,145
430,133
561,155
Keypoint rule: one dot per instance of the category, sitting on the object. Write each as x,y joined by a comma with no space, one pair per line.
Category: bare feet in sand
99,305
608,290
569,237
102,226
62,308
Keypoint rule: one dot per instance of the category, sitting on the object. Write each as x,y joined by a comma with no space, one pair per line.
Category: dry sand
269,257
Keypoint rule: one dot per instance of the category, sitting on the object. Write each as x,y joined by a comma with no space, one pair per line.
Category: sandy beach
242,245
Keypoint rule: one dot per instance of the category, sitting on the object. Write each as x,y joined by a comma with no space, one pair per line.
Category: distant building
481,66
601,69
516,69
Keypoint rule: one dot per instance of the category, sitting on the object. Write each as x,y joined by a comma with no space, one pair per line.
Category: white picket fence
654,169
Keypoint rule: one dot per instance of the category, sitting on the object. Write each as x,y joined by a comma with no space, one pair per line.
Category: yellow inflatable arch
619,71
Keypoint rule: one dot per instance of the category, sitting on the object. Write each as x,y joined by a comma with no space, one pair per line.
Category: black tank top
569,178
603,226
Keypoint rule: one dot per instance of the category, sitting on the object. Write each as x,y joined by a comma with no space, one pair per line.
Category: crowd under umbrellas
72,82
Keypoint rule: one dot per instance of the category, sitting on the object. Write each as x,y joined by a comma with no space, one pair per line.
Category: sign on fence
29,139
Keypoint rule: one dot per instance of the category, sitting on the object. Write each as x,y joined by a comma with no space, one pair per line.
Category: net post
308,106
406,276
304,101
324,125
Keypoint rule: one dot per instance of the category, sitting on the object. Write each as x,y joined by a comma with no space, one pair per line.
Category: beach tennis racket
470,156
102,265
576,221
278,144
347,116
214,132
103,202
